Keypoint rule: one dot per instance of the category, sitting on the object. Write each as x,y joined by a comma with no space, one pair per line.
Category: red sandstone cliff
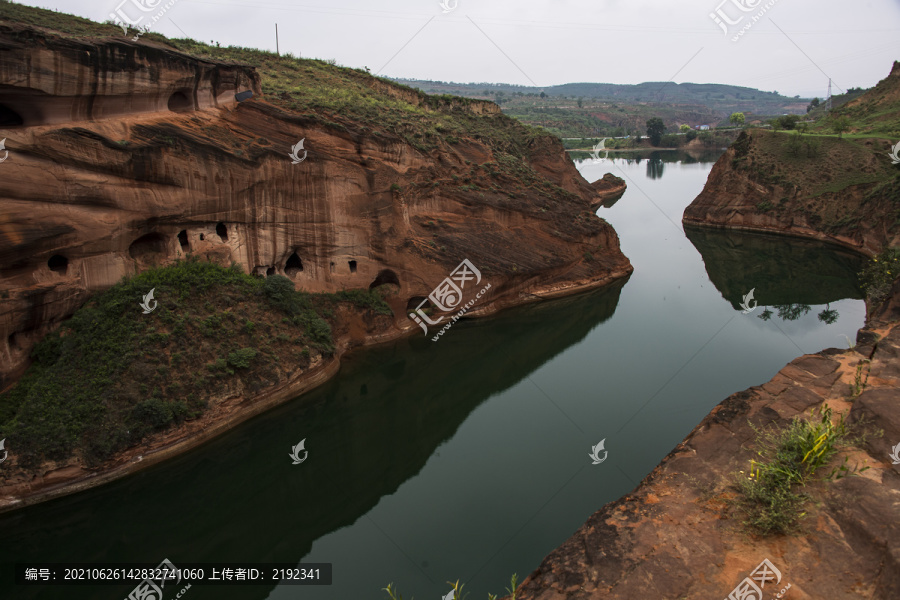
124,155
845,192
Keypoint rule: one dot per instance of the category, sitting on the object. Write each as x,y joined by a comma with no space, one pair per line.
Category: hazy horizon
793,47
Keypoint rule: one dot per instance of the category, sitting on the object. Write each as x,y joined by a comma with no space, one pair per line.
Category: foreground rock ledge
675,537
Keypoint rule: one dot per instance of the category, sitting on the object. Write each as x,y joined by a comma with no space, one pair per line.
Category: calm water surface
468,458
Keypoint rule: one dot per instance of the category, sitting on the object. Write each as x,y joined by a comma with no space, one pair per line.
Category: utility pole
277,50
828,98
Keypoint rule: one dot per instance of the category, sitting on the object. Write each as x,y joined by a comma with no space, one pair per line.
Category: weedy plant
457,589
788,458
860,382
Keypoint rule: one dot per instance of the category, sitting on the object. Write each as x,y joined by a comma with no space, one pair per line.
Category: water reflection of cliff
788,274
368,431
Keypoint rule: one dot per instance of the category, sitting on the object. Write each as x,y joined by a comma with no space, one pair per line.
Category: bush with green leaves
879,274
787,458
240,359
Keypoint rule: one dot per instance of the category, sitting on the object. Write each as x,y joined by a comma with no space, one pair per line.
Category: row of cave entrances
179,101
154,243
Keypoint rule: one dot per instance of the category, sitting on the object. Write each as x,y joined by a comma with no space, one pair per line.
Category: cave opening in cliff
202,237
9,117
385,276
222,231
415,301
147,246
270,271
293,265
58,264
183,240
12,342
352,264
179,102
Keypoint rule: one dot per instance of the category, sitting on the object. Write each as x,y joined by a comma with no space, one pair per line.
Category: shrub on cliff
878,276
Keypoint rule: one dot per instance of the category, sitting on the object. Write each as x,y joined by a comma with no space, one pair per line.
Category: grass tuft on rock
788,459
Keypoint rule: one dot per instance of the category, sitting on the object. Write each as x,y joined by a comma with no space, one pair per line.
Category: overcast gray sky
548,42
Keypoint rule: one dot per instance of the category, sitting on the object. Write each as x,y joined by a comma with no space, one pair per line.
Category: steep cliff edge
844,190
847,192
125,156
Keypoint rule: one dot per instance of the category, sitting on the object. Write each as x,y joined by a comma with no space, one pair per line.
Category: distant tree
655,129
788,121
737,119
543,95
813,104
580,102
690,136
776,124
840,125
684,128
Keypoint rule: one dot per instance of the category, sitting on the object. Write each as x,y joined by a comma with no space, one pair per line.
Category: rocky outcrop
756,186
609,189
46,79
124,155
677,535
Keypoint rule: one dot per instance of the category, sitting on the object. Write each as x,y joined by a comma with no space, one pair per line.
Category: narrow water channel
469,458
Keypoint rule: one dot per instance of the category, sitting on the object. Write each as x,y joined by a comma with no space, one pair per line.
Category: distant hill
875,110
717,97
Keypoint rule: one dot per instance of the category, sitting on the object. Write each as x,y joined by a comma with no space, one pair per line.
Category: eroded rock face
741,193
45,79
122,180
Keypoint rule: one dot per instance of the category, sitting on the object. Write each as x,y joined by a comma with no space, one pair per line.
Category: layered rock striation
124,155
